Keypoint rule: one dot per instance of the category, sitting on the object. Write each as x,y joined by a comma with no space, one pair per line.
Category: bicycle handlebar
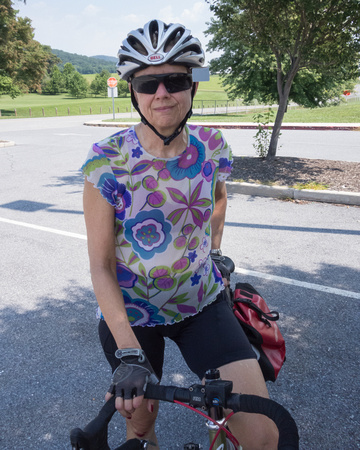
197,396
216,393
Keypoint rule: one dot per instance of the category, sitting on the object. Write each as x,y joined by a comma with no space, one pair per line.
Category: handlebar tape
288,432
132,444
167,393
94,435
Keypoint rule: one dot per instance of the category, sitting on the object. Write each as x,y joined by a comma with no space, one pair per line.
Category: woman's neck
156,147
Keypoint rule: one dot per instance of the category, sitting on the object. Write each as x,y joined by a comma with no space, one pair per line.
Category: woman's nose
161,90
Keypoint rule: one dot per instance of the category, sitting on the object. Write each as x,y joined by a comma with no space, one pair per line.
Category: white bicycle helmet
158,43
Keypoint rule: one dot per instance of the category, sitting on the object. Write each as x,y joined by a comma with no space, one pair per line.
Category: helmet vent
174,37
137,45
154,33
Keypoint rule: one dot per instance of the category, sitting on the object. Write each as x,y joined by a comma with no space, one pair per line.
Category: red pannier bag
259,324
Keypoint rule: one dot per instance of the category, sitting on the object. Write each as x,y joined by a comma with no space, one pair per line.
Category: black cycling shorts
207,340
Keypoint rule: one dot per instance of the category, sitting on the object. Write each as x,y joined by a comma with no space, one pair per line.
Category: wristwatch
122,352
215,252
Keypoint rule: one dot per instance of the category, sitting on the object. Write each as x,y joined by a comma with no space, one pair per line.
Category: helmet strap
166,139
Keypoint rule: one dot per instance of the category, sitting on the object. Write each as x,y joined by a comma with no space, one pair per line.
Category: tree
123,88
99,84
68,72
281,50
7,87
54,83
22,59
78,86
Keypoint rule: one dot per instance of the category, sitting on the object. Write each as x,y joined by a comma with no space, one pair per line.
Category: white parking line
252,273
303,284
47,229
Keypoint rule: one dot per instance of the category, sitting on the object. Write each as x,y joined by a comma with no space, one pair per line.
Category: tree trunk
277,127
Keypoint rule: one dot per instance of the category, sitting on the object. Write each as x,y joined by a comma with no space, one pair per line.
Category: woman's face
163,110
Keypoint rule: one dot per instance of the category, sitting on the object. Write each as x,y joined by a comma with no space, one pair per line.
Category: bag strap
272,316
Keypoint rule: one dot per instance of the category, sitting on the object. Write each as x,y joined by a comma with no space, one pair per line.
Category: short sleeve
225,161
97,169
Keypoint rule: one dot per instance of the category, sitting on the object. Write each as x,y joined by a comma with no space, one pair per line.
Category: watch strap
123,352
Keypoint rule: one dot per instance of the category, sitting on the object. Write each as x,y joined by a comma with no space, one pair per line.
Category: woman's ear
196,88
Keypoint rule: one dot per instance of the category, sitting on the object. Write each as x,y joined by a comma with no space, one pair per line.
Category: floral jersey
163,208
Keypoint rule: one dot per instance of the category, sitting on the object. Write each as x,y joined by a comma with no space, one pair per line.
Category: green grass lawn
61,105
210,95
343,113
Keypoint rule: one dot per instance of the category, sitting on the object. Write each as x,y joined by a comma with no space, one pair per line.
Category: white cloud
196,13
132,18
91,10
167,15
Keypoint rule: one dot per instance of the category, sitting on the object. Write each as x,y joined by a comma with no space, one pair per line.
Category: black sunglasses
173,82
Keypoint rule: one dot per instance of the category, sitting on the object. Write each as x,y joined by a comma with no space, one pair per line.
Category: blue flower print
216,273
115,193
208,169
137,152
192,256
225,165
141,312
149,233
107,185
123,201
126,278
195,279
188,164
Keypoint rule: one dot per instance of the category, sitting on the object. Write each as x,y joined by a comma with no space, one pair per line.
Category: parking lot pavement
53,373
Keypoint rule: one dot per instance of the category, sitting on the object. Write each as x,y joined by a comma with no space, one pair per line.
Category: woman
154,203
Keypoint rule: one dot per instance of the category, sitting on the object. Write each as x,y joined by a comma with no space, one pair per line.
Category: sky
98,27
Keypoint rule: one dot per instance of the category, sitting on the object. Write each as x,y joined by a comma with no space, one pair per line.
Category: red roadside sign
112,82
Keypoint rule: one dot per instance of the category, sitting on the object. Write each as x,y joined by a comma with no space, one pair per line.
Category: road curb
6,144
284,192
244,125
260,190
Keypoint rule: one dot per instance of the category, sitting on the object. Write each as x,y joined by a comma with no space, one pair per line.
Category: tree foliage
85,64
123,88
274,51
23,60
99,84
53,83
78,86
68,72
7,87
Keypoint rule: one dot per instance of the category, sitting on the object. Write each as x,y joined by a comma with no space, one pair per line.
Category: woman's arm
218,216
99,219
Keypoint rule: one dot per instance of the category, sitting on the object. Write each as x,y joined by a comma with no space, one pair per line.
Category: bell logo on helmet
155,57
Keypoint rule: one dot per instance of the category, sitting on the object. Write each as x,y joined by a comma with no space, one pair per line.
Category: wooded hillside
85,64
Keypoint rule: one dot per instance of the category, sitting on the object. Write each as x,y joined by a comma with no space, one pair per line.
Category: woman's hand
129,381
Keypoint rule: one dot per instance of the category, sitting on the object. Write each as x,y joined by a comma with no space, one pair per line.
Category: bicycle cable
219,431
221,427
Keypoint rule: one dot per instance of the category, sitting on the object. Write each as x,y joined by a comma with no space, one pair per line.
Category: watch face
118,354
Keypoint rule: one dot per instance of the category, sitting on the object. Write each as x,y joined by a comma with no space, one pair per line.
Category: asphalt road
304,259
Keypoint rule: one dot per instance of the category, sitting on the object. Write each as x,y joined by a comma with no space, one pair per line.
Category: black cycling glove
133,374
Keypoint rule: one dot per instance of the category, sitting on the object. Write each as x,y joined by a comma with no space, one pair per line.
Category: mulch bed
286,171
